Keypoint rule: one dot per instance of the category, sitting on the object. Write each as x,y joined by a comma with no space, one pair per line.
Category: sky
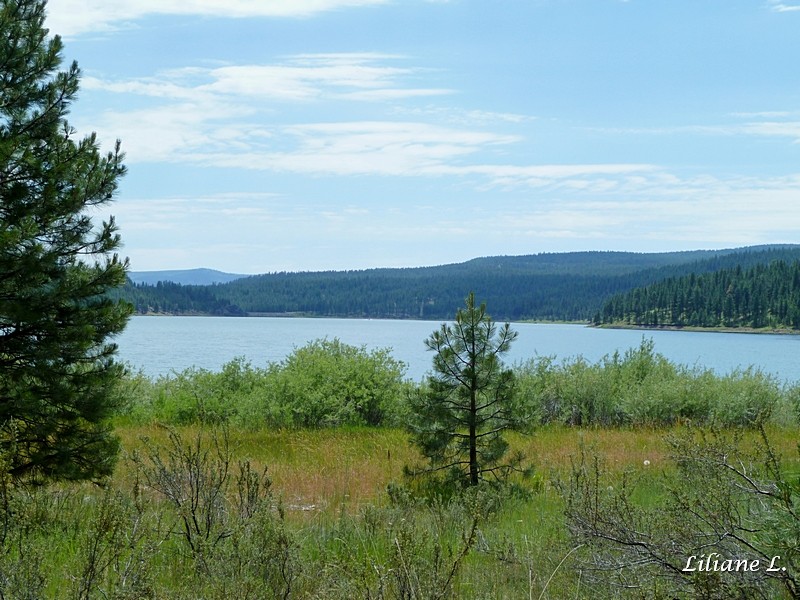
305,135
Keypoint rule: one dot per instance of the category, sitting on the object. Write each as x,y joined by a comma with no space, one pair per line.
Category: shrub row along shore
328,384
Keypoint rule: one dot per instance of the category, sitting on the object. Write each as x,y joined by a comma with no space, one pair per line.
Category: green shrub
325,383
746,397
642,387
329,383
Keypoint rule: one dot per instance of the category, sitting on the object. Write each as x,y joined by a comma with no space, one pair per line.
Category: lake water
162,345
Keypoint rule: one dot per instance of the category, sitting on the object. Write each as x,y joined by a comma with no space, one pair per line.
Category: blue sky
284,135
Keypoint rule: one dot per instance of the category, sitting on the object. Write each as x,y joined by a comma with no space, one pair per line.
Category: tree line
557,287
764,295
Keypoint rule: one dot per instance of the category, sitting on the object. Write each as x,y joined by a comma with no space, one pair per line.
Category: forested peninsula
762,296
625,288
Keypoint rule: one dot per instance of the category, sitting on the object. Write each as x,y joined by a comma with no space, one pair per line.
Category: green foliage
224,514
642,387
197,519
201,396
21,575
765,295
127,541
458,418
324,384
175,298
410,549
189,500
725,502
328,383
56,265
565,286
114,549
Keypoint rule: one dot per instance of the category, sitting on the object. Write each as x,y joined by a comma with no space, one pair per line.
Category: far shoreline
697,329
686,328
300,315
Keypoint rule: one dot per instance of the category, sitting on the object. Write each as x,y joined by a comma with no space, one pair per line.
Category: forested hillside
565,287
765,295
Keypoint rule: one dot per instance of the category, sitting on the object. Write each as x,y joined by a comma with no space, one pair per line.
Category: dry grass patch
317,470
311,469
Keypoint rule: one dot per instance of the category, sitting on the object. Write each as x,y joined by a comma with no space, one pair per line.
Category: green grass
346,534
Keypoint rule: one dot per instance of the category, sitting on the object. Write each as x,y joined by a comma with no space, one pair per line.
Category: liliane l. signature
714,562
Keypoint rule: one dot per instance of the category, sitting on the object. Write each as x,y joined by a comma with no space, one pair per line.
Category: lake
163,345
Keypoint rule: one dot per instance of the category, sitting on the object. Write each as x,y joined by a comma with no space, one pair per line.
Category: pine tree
57,368
469,400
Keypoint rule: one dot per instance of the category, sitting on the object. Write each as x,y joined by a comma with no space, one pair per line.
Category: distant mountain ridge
553,287
184,276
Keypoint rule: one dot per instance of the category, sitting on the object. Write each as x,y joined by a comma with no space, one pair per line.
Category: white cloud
219,117
262,232
386,95
171,133
74,17
765,123
778,6
230,117
356,76
587,178
356,148
219,135
348,76
789,129
771,124
379,147
464,117
720,213
225,117
152,87
766,114
214,122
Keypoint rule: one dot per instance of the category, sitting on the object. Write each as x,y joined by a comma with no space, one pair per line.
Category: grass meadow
288,482
331,521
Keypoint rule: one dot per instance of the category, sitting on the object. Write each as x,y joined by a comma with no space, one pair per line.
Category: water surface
162,345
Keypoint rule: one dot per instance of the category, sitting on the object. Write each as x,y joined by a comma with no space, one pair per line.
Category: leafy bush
328,383
191,396
746,397
325,383
642,387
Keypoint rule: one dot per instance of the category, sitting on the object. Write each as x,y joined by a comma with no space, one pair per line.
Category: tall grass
329,522
318,521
